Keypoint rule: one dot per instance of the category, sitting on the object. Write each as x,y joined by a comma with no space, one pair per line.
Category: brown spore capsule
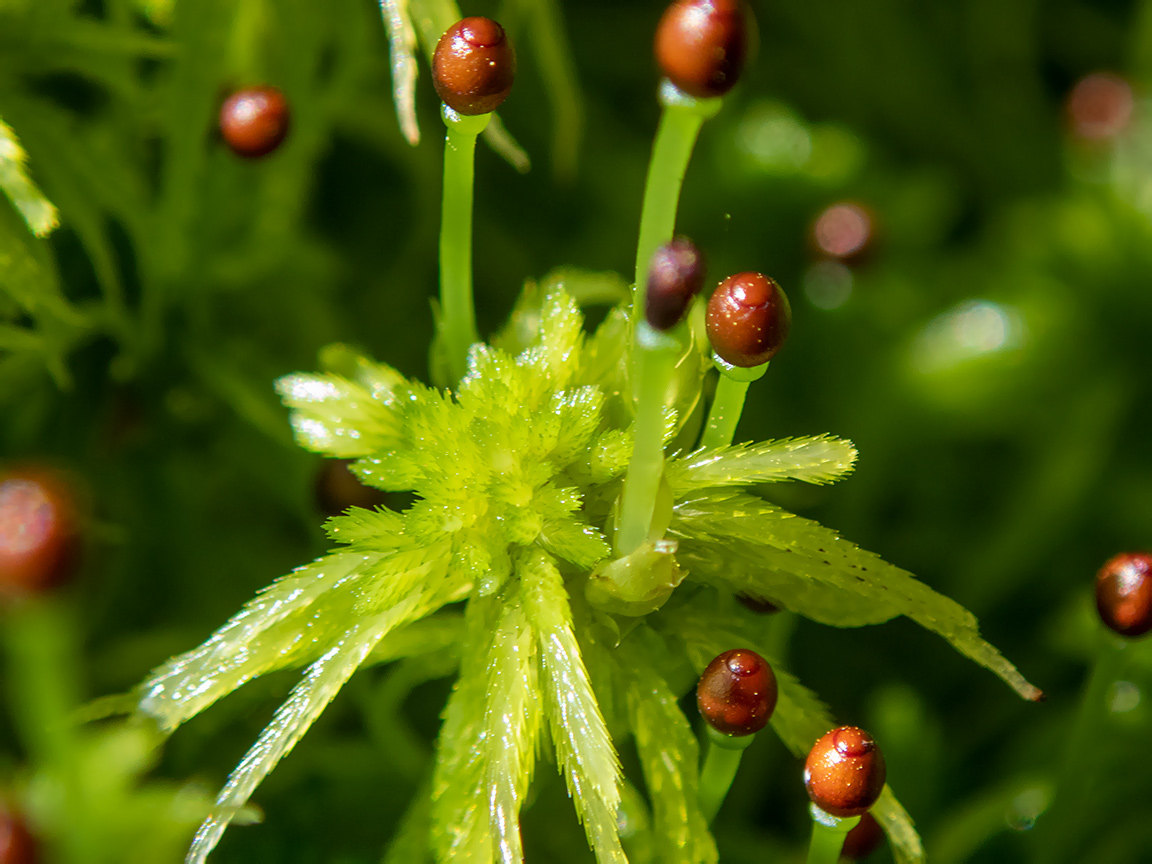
748,319
1124,593
1099,106
39,540
474,66
843,231
17,846
675,276
845,772
701,45
254,121
862,840
737,692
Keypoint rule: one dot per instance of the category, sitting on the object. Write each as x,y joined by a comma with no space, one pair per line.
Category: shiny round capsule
254,121
701,45
748,319
845,772
38,532
675,276
1124,593
17,845
737,692
474,66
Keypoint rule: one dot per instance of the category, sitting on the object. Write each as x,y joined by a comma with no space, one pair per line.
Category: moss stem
721,760
457,314
728,403
680,124
828,833
655,363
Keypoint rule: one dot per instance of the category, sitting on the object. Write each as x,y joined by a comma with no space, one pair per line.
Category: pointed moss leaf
36,210
602,362
308,699
337,417
897,824
461,831
280,627
430,635
669,756
851,582
587,287
583,746
561,337
578,416
744,544
574,541
379,379
821,459
512,721
379,529
402,59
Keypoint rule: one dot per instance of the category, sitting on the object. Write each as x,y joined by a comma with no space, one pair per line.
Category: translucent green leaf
669,756
460,831
308,699
37,210
281,627
379,529
811,570
512,723
338,417
820,459
897,824
583,746
402,59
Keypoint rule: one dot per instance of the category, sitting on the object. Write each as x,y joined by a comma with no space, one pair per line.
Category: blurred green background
988,353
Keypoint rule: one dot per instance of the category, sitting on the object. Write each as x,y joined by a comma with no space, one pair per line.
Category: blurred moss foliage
1002,467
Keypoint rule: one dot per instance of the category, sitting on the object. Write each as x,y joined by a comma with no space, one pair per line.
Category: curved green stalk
457,316
679,125
728,403
655,356
720,764
828,833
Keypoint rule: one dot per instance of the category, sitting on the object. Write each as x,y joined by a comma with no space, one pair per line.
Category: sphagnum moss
518,473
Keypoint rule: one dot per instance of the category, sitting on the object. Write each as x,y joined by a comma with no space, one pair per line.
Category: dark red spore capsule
254,121
474,66
675,276
737,692
1100,106
862,840
1124,593
845,772
39,540
701,45
748,319
17,846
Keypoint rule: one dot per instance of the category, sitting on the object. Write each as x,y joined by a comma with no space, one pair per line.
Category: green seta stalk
728,402
457,313
680,123
828,833
721,761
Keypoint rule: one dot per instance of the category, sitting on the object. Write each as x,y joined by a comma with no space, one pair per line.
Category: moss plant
519,475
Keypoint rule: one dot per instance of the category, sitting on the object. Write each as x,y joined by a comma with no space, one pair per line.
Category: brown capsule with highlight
474,66
845,772
39,534
254,121
748,319
17,846
675,276
1124,593
737,692
702,45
